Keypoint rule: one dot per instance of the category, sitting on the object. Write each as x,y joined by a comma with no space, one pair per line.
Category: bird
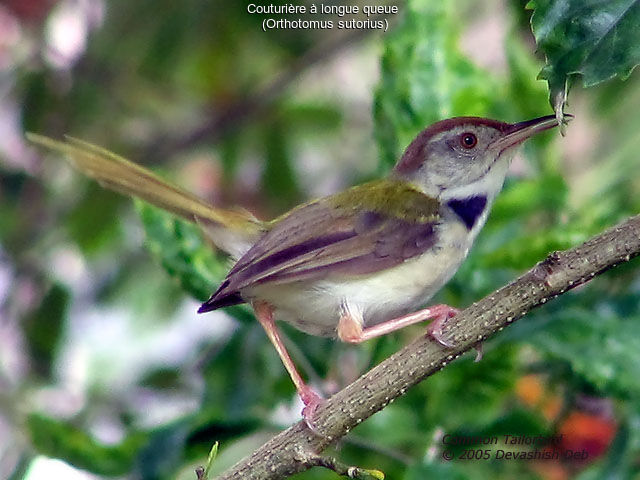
356,264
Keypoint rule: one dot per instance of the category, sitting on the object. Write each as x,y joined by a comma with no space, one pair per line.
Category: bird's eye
468,140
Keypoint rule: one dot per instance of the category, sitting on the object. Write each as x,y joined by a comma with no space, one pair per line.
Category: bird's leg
311,400
350,327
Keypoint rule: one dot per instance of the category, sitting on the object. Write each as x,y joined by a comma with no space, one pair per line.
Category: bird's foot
311,401
437,324
435,331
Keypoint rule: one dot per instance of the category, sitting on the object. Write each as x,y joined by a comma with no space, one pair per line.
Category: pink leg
350,326
311,400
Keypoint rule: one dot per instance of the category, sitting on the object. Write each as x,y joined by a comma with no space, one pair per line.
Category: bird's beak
517,133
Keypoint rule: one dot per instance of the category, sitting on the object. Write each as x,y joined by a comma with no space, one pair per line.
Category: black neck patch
468,209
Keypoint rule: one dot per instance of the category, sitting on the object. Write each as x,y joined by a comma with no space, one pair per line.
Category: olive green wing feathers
363,230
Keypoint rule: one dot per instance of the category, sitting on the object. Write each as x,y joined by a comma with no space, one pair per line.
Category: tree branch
296,449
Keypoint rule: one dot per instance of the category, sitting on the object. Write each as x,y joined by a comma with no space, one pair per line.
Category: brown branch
296,449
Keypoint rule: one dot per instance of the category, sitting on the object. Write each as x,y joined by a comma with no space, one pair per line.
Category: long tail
232,230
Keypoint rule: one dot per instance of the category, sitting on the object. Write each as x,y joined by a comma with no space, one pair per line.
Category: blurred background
106,370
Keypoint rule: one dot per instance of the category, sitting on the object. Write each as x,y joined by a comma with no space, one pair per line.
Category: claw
437,324
479,352
311,402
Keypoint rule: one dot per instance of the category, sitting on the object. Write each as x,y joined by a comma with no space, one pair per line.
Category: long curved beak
517,133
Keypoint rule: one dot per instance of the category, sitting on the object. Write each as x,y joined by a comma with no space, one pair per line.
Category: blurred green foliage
43,329
426,78
189,85
64,440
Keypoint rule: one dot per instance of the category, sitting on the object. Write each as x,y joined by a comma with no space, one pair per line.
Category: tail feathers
221,299
214,304
232,230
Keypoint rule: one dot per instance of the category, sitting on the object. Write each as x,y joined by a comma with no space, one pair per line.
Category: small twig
344,470
293,450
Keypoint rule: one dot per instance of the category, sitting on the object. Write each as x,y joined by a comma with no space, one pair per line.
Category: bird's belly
315,306
402,289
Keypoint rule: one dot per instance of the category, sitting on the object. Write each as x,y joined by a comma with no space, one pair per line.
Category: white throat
489,185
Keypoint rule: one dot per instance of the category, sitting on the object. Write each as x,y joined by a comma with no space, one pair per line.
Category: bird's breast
315,306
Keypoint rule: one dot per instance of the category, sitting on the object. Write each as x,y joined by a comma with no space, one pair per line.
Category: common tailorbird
357,264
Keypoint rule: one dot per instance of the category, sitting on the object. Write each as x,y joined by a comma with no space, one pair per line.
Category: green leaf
603,348
469,394
43,329
62,439
394,427
180,248
425,78
93,223
595,39
250,363
163,450
163,378
525,197
526,93
524,250
528,96
278,178
213,453
184,253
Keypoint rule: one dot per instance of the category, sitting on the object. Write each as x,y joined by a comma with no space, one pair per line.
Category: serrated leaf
595,39
184,253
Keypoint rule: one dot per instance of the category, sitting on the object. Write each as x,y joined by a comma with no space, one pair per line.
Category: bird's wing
363,230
